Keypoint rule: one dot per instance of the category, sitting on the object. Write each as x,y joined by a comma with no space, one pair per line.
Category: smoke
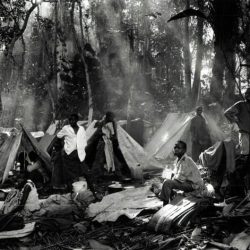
126,88
28,116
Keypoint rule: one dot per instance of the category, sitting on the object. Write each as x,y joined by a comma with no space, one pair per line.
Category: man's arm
62,133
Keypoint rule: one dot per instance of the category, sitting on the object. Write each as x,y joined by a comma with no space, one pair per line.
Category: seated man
186,175
35,170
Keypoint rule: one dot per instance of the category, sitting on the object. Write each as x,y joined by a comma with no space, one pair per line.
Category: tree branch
27,17
20,32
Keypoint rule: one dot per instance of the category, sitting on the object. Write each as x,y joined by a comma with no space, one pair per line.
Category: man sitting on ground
35,170
186,175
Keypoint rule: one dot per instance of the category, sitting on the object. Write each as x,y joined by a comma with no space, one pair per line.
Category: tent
176,127
133,153
10,148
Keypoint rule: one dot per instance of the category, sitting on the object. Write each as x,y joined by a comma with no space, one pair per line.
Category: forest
138,58
100,146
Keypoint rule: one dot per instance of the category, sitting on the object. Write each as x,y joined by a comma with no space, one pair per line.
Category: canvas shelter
134,154
19,140
176,127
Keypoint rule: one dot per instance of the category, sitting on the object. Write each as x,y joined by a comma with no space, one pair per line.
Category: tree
223,17
85,69
187,56
199,56
14,19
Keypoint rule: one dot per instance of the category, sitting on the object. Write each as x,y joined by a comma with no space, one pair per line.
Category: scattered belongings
10,222
116,187
19,233
241,241
128,202
123,218
176,214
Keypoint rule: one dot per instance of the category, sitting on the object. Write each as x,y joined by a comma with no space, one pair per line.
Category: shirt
240,113
187,170
73,141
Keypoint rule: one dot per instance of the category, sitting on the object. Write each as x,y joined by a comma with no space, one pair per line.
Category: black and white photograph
125,124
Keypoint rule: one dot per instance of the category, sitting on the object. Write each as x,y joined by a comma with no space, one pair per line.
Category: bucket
79,186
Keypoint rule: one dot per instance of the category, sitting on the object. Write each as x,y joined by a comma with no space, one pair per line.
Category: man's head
247,94
180,149
199,110
33,156
73,119
109,117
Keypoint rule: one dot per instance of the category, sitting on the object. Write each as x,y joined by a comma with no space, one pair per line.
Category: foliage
14,18
135,55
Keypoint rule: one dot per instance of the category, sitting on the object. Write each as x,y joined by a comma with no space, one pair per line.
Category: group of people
73,156
186,176
101,152
69,163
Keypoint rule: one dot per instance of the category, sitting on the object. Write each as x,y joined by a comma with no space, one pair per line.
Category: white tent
134,154
176,127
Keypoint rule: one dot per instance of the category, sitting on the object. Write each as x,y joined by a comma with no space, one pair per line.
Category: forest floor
225,226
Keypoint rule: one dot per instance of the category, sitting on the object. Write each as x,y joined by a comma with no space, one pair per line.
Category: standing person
75,142
186,176
108,154
199,134
239,113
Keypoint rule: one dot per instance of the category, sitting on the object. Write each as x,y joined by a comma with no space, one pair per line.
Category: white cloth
73,141
108,131
32,203
244,143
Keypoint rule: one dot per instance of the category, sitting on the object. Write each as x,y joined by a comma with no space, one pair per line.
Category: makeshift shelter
133,153
176,127
10,148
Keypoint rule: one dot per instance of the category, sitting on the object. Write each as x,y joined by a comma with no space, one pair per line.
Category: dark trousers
73,168
168,187
197,148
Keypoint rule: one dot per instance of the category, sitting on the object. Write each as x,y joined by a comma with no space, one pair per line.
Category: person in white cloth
75,141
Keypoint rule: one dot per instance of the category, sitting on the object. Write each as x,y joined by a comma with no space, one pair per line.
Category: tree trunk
229,97
49,75
81,23
199,56
20,32
248,56
187,57
225,24
80,51
55,49
216,88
